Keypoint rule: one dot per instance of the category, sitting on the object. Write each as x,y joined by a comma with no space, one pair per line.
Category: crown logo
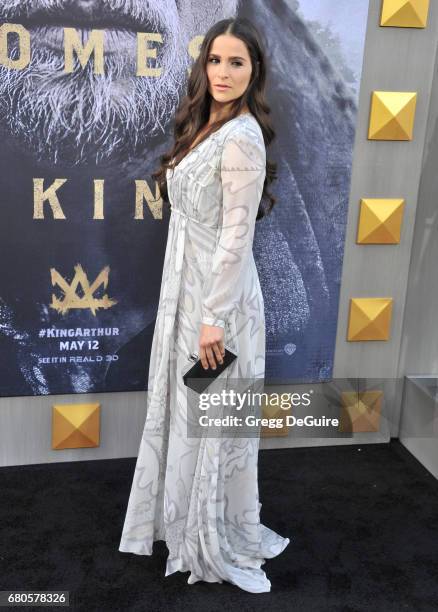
71,299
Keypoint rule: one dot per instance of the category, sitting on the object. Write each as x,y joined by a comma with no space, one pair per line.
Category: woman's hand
211,345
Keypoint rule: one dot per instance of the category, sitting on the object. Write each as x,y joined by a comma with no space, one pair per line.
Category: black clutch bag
197,378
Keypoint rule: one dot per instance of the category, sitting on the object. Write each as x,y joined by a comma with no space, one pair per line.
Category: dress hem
238,576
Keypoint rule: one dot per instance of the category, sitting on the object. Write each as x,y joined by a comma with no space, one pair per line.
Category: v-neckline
209,136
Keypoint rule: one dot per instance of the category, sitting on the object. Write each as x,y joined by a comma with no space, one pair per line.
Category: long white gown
200,494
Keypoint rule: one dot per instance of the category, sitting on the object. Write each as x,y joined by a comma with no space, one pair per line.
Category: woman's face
228,63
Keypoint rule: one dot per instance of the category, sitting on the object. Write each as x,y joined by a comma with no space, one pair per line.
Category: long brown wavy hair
194,110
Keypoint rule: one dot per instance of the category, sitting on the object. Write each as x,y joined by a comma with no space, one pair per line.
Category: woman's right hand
211,345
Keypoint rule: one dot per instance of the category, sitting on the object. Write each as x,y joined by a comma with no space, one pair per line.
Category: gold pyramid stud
360,411
392,115
75,426
404,13
369,318
380,220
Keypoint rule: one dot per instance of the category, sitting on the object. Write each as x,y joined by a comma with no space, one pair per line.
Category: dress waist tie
169,295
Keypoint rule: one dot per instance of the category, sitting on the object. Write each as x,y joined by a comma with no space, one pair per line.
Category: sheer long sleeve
243,171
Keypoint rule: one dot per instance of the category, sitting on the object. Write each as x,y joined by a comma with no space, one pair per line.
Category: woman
200,494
